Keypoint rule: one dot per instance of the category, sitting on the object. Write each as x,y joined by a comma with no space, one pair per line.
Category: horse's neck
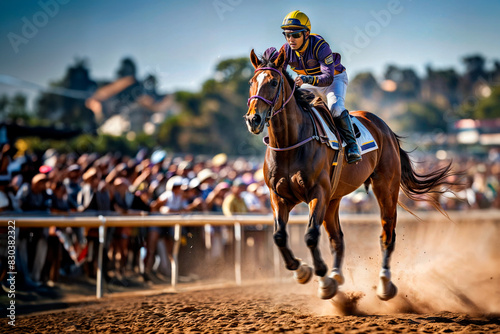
286,126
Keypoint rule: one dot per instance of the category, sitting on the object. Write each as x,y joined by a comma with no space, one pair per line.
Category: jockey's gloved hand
307,79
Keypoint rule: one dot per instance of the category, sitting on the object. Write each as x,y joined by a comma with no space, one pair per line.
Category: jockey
319,71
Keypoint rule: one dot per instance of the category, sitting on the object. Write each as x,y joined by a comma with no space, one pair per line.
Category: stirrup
354,160
355,156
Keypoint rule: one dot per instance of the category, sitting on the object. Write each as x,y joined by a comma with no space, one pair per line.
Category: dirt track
448,276
271,308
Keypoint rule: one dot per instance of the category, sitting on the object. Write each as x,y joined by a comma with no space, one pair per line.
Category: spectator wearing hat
94,195
193,236
194,198
216,197
255,236
141,184
219,161
172,200
234,203
262,193
219,235
207,180
72,182
122,200
60,199
158,157
120,170
252,201
34,197
126,202
73,187
185,169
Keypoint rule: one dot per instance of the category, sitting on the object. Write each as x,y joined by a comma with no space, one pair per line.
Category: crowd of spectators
112,184
157,184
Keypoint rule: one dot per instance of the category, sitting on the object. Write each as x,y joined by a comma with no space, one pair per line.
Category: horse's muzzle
255,123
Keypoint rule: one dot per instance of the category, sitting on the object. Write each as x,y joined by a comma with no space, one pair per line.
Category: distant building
127,105
484,132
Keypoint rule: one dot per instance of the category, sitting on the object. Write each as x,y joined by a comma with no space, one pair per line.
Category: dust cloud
437,266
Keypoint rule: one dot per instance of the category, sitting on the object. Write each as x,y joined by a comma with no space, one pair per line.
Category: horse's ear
254,59
281,58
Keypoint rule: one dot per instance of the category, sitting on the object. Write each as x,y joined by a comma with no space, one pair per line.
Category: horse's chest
294,182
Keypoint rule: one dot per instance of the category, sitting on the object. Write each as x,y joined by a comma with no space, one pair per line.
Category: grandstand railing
237,222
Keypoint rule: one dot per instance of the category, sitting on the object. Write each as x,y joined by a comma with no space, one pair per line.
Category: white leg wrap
385,273
386,289
303,273
327,287
337,275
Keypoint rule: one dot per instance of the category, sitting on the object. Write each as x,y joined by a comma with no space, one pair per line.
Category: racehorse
298,168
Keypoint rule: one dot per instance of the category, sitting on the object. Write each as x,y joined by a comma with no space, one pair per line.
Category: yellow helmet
296,20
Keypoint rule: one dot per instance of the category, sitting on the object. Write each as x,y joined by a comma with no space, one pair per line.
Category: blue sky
182,41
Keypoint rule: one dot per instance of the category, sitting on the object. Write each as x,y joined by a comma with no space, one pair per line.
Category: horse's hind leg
303,272
332,226
386,190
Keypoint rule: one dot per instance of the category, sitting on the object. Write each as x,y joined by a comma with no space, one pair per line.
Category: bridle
271,111
272,103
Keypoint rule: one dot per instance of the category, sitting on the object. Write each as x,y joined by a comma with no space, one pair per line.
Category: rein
277,149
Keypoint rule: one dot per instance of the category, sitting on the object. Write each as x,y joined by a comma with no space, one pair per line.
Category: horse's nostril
256,119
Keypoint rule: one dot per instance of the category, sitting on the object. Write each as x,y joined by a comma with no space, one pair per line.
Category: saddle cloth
364,138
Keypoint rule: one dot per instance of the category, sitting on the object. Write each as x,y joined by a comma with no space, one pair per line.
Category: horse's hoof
327,287
303,274
386,289
336,274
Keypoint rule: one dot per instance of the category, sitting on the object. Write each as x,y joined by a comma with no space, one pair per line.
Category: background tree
68,111
211,120
422,117
488,107
15,109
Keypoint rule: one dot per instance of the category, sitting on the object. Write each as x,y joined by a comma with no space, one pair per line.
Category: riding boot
344,125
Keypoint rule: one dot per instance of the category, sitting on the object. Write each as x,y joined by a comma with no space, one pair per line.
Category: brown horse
298,169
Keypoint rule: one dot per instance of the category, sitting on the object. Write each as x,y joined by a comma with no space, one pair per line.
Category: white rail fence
237,222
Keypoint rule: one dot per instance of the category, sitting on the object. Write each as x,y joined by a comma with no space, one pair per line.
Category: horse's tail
423,187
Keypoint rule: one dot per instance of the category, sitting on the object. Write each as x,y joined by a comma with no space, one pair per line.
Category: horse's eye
274,83
250,82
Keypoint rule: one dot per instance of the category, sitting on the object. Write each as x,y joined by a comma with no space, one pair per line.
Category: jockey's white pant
333,95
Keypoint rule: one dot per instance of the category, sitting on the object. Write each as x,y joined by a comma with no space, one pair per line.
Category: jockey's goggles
294,34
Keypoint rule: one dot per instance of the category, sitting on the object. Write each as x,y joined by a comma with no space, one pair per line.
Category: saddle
325,113
323,110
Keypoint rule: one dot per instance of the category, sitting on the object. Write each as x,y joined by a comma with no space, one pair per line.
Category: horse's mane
303,97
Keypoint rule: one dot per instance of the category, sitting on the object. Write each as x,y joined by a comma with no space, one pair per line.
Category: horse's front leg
281,210
317,208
